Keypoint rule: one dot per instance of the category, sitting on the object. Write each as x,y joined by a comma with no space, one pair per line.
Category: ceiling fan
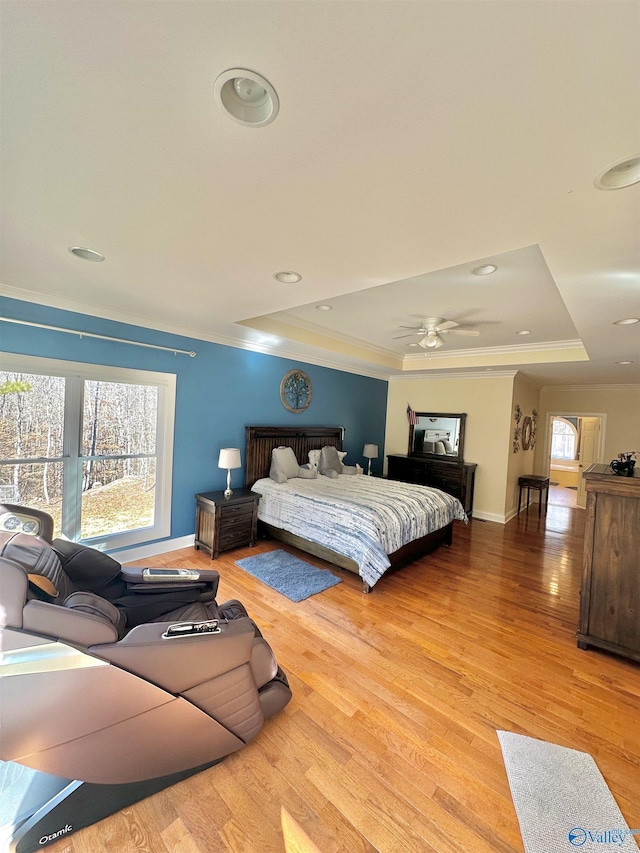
431,330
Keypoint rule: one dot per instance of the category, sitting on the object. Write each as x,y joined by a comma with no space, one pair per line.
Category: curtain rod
175,351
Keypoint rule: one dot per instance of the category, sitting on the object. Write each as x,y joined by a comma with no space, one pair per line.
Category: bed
334,500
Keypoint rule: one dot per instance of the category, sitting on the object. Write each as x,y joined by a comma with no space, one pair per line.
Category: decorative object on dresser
370,452
229,458
610,594
223,523
625,463
455,478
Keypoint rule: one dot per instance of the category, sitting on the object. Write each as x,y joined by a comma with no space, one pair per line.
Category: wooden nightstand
226,523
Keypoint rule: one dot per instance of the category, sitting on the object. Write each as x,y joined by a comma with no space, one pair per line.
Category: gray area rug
288,574
561,800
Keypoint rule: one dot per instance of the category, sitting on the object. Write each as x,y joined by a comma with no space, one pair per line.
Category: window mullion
72,491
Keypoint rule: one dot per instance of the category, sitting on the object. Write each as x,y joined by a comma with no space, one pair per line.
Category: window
563,439
90,445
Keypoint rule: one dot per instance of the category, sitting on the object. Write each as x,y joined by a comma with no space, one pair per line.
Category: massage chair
124,679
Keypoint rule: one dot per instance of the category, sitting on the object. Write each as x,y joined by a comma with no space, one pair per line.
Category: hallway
562,496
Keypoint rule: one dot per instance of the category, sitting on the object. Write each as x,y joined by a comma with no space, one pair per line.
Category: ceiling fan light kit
431,330
431,341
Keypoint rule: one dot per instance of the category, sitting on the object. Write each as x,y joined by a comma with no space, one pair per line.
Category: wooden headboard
260,441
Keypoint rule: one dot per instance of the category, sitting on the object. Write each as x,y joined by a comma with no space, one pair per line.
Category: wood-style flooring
389,743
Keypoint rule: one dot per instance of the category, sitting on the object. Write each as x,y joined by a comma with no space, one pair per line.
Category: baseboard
490,516
141,552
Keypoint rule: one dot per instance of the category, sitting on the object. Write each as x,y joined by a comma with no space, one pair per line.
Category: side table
537,483
226,523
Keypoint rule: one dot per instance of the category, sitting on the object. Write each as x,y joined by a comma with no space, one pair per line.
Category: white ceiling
415,141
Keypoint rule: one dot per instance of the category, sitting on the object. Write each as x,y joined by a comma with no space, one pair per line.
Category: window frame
75,374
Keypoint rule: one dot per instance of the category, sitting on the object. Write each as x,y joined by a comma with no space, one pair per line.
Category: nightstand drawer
236,511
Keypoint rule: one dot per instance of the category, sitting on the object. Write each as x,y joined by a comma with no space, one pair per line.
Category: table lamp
370,452
229,458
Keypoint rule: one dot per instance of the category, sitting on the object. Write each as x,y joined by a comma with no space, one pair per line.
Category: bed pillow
307,472
314,457
329,461
284,464
349,469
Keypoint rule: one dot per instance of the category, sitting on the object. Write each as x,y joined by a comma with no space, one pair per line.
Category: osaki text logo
579,836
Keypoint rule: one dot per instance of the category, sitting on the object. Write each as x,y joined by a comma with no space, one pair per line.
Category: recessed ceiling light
485,269
86,254
246,97
287,276
523,332
628,321
624,362
625,173
324,308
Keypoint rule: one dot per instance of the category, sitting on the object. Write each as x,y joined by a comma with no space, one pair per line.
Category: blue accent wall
218,393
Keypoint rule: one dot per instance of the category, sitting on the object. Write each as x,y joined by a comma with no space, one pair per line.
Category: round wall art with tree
295,391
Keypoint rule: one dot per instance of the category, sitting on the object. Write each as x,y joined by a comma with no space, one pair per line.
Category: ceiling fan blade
415,328
399,337
472,333
446,325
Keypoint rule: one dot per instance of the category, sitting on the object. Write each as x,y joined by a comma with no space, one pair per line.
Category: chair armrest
67,624
144,579
179,663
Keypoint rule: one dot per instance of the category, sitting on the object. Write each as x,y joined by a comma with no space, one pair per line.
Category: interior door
588,452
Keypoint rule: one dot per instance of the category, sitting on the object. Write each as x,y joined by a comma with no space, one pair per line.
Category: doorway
574,442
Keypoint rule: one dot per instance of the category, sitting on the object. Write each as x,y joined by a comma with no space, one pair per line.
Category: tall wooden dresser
610,594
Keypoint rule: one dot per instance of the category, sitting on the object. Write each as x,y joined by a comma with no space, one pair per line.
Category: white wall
487,402
527,396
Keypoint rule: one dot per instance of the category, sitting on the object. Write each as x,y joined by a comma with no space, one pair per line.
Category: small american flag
411,416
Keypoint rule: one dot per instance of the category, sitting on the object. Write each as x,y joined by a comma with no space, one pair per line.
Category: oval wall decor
295,391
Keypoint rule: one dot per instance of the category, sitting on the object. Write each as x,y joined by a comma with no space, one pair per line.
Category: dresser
456,478
610,592
226,523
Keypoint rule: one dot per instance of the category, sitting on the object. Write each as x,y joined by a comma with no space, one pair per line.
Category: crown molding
466,374
553,346
628,387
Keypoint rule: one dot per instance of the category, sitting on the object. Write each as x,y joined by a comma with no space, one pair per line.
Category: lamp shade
229,458
370,451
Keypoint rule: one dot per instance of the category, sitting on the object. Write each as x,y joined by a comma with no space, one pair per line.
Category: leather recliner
114,675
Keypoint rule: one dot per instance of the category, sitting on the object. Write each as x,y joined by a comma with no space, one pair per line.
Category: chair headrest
15,518
37,558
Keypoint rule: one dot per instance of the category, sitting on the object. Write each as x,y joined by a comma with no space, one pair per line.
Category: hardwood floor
389,743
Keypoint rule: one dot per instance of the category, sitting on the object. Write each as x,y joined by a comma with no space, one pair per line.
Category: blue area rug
288,574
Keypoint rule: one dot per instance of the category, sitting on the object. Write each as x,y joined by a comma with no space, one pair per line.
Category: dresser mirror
438,436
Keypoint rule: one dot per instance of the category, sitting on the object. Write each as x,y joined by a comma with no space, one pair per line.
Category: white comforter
363,518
